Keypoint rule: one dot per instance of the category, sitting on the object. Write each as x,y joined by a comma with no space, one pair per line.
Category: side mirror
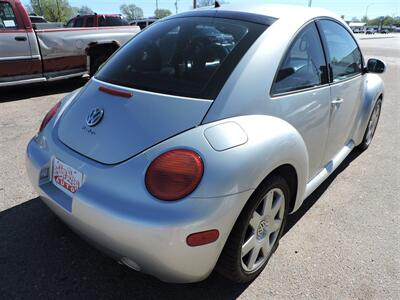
376,66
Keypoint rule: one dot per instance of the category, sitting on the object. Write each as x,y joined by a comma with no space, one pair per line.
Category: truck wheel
96,62
255,235
372,124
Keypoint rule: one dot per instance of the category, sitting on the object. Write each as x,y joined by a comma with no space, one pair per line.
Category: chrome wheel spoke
268,202
266,247
253,257
263,230
249,245
255,220
275,225
277,206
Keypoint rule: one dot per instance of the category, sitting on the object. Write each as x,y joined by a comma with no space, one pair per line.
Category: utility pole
40,7
194,4
157,5
58,10
309,3
176,6
366,10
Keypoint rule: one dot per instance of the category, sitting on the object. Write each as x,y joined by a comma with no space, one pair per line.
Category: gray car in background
189,148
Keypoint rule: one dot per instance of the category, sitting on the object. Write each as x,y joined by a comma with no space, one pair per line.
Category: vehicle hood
129,125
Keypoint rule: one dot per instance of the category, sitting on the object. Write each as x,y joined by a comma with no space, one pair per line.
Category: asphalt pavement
342,244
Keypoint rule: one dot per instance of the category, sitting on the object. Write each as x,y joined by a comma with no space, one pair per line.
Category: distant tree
388,20
131,11
364,19
355,19
162,13
29,9
84,10
53,10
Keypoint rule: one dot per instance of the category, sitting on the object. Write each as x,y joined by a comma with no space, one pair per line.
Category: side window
102,21
344,55
7,17
79,22
304,64
90,22
70,23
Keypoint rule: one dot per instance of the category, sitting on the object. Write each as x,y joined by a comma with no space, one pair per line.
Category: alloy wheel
263,230
373,123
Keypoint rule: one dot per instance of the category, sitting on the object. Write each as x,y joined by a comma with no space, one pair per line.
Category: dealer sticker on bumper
65,177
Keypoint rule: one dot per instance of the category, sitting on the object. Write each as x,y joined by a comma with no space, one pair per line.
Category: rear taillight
52,112
174,174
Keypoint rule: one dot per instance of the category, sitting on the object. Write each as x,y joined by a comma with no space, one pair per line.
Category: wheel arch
95,47
373,90
289,173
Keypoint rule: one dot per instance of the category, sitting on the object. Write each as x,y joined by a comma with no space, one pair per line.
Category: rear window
112,21
7,17
191,57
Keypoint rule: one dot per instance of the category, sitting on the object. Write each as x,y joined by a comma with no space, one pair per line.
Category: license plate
65,177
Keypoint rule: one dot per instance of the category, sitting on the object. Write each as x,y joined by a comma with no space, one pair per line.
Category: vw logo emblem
94,117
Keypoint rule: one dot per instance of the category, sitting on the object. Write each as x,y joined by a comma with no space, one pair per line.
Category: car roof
105,15
274,11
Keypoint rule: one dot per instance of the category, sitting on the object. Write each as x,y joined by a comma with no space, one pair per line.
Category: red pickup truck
97,20
28,55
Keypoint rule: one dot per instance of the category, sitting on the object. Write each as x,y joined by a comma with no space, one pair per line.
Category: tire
372,125
253,240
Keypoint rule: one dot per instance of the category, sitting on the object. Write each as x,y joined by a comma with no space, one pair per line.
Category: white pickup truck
28,55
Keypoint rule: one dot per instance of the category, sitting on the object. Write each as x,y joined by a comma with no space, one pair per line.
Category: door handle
337,101
20,38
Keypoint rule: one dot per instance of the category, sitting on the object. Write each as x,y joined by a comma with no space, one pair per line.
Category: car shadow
16,93
315,196
40,257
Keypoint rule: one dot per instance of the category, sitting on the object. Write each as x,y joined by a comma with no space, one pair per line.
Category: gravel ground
342,244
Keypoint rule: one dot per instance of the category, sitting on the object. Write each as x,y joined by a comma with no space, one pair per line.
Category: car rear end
124,161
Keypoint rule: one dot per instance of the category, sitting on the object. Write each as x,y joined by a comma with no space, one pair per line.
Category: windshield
190,57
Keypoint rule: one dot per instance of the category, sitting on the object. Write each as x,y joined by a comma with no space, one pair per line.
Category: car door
301,93
90,21
79,21
15,51
345,63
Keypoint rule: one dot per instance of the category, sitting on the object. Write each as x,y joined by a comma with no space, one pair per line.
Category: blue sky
349,8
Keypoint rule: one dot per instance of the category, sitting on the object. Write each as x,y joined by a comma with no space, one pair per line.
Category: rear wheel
372,124
256,233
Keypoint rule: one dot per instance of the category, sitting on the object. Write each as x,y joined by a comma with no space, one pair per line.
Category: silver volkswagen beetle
189,148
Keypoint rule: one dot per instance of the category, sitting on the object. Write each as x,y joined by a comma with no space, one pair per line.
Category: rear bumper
149,239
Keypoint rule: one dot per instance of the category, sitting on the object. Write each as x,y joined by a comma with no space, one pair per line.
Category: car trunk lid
129,125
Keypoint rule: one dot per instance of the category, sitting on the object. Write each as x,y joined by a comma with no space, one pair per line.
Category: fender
238,160
373,89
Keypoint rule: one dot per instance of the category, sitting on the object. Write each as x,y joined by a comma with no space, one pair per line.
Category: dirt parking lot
342,244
